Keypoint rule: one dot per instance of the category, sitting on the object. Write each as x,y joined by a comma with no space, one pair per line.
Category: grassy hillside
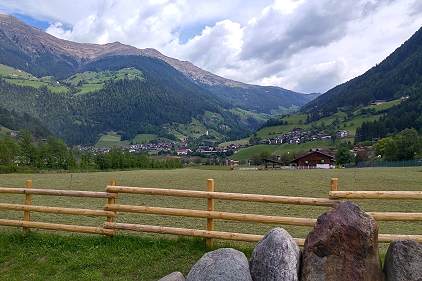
22,78
85,82
89,81
348,123
4,131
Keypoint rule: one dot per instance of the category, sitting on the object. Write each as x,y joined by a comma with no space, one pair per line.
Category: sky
306,46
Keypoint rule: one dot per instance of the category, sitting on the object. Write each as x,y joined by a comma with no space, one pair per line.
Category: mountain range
170,92
79,91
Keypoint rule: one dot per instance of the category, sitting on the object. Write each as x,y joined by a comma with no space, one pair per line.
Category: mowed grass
304,183
55,257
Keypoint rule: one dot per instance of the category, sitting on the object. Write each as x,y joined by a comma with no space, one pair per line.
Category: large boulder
224,264
342,246
175,276
276,257
403,261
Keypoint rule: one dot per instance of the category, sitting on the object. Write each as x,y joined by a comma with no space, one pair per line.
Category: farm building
272,162
315,159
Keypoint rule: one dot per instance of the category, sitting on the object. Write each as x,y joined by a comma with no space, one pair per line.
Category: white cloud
217,46
319,75
302,45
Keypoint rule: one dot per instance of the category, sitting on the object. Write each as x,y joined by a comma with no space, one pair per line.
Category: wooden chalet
273,163
315,159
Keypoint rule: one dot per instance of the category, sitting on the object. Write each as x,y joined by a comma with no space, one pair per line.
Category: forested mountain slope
34,51
16,122
163,96
400,74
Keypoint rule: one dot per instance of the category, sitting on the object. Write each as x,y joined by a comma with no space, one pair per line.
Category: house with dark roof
274,163
314,159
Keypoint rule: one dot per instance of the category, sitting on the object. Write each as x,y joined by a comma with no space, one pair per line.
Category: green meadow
84,82
55,255
303,183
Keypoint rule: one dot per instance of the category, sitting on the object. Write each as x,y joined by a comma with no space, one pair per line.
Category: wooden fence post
334,184
210,207
112,201
27,214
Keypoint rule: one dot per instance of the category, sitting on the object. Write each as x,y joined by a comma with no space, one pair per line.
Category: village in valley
220,155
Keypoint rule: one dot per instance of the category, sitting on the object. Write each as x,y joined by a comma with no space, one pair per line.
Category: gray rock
403,261
175,276
224,264
342,246
276,257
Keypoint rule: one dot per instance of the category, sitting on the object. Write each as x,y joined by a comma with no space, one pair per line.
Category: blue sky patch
43,25
189,32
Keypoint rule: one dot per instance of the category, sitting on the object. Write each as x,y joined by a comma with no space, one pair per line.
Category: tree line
26,153
404,146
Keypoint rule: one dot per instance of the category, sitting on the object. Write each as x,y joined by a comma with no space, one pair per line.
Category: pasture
303,183
50,255
110,140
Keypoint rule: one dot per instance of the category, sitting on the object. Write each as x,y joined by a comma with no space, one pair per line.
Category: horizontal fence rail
212,215
387,238
390,216
390,195
224,196
55,226
54,192
111,209
192,232
56,210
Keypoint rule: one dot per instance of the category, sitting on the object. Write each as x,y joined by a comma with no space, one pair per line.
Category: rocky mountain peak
35,42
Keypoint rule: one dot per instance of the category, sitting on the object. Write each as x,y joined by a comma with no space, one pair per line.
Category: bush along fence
111,210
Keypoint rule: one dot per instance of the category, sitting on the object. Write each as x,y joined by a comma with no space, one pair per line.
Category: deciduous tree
344,156
408,144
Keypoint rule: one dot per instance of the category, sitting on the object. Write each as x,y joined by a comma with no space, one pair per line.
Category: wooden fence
111,209
28,208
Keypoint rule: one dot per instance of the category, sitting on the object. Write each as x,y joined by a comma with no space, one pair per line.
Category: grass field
110,140
306,183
